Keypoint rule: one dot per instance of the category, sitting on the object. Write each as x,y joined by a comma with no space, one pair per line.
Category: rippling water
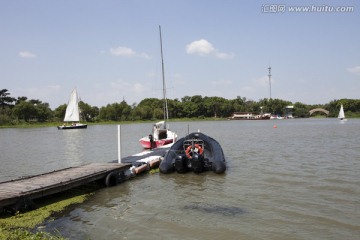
297,181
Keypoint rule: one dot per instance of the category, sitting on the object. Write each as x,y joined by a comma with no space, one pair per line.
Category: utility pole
270,79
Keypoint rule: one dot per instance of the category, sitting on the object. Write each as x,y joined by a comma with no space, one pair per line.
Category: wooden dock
26,189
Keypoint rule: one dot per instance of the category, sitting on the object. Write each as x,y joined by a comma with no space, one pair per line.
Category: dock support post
119,145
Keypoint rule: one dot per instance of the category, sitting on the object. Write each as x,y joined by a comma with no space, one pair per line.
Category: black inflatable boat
196,152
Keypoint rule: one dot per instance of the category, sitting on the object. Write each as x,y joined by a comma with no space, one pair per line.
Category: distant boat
161,134
276,117
341,115
72,113
249,116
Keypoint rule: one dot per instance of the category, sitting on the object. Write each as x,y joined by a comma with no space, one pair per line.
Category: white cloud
127,52
122,51
355,70
203,47
26,54
200,47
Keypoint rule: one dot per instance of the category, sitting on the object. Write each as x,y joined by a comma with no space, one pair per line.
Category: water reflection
215,209
73,147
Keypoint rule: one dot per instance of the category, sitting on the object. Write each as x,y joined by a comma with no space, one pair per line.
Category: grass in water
154,170
25,225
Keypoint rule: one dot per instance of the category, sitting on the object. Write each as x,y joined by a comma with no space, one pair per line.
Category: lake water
300,180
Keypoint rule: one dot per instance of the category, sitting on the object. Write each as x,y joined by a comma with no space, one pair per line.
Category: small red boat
160,136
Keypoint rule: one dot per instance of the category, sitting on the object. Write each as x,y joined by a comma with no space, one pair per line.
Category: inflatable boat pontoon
196,152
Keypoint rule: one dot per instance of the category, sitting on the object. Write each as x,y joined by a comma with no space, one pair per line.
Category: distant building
289,111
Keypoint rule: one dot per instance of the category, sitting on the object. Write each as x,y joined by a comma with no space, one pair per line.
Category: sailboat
161,134
72,113
341,115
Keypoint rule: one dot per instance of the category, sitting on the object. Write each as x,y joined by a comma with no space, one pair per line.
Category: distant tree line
21,109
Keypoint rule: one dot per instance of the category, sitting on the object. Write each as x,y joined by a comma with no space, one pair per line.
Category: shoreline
55,124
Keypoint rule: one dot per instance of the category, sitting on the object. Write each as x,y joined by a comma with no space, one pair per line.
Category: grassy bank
55,124
28,225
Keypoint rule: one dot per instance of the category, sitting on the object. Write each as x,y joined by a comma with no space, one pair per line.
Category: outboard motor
181,164
197,163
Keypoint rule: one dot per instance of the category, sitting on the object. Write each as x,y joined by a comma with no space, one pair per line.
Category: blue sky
110,49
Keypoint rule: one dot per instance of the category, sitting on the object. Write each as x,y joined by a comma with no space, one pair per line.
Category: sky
110,49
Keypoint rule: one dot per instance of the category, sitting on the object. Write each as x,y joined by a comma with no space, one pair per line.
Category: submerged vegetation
22,111
27,225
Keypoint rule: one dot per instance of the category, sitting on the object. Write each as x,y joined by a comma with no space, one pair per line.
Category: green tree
151,108
125,111
24,111
217,107
300,110
252,106
88,113
43,112
158,114
189,108
107,113
274,106
193,106
21,99
174,108
116,112
6,105
135,113
237,105
5,99
59,112
33,109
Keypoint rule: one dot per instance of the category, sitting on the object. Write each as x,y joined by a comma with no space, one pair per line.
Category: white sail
72,110
341,112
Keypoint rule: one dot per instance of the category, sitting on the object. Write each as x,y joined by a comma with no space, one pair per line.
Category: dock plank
49,183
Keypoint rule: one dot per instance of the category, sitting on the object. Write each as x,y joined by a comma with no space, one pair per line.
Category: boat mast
269,68
166,114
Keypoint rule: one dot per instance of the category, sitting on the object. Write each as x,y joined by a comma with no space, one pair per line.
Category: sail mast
269,68
166,114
